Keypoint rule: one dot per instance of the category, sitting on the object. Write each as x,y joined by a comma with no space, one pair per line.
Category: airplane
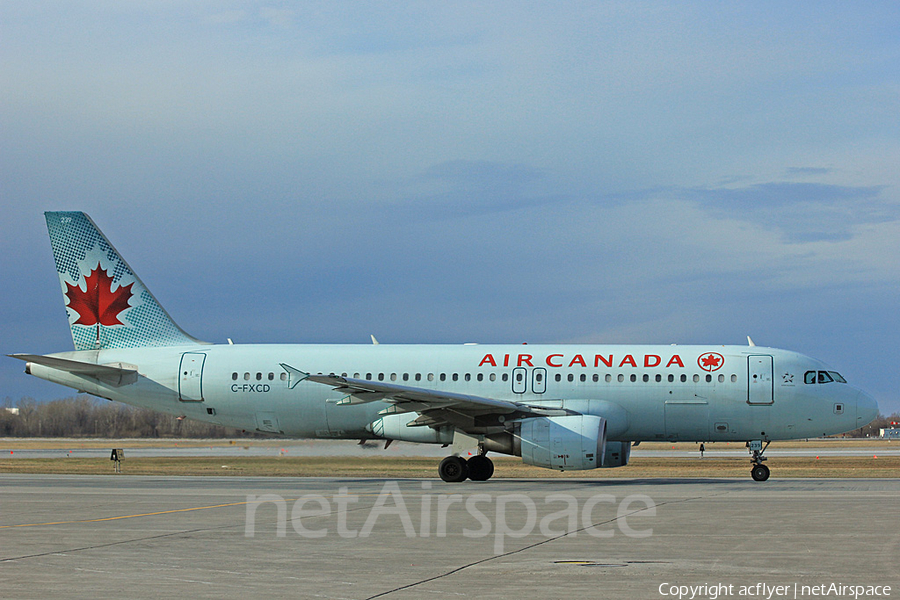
563,407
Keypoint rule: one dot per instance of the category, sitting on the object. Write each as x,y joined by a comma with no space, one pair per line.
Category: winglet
750,342
374,341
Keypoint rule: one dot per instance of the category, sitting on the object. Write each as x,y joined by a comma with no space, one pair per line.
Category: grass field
423,467
888,467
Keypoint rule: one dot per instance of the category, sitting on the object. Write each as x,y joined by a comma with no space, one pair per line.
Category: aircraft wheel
480,468
760,473
453,469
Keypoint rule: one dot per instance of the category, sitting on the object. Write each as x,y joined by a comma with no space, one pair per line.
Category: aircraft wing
435,407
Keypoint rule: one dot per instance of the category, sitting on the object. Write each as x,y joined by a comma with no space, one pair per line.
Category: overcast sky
465,172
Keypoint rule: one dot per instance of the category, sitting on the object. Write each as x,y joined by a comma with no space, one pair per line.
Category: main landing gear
759,472
455,468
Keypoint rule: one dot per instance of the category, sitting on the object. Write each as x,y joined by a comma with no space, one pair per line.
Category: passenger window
558,377
733,378
480,377
505,377
646,378
608,378
234,376
696,378
708,378
571,377
246,376
683,378
406,377
658,378
272,376
824,377
671,378
583,377
430,377
443,377
284,376
538,377
418,377
519,377
381,377
596,378
721,378
259,376
369,376
492,377
455,377
620,378
468,377
633,378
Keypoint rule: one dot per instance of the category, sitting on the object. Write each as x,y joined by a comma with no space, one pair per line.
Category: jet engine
575,442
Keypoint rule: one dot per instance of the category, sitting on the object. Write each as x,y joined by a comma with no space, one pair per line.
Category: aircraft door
761,386
539,380
190,377
519,380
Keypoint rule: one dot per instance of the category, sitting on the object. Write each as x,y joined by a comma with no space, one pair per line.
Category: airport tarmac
214,537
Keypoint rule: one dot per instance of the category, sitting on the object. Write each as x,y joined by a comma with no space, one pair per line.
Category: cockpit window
823,377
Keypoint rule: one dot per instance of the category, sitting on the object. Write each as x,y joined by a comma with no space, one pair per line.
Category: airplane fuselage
646,393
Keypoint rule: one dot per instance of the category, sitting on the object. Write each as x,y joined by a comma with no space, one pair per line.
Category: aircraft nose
866,409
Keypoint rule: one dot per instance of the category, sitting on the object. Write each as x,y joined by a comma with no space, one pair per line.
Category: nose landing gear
759,472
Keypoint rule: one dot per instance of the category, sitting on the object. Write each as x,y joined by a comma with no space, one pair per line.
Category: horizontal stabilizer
117,375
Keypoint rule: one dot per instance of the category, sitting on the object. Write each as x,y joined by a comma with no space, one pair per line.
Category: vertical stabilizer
107,304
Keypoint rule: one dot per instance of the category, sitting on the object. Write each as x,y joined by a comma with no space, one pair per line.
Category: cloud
801,212
808,171
464,171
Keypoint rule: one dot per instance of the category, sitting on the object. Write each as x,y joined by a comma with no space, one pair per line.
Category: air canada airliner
564,407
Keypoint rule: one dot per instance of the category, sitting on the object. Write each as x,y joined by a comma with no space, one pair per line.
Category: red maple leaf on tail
99,304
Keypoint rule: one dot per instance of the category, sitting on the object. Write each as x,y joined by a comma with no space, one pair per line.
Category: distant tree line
872,429
85,416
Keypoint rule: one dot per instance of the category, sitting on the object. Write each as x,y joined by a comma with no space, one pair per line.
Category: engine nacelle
617,454
575,442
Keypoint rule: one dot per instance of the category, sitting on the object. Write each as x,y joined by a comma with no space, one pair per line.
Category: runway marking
151,514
